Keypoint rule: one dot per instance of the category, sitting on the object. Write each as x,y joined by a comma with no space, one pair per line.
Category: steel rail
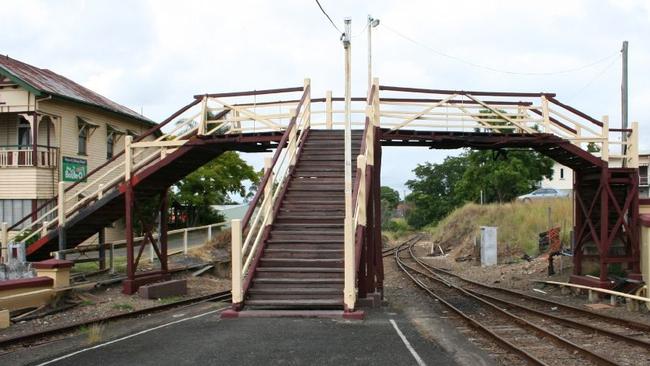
542,332
473,323
603,317
30,337
566,322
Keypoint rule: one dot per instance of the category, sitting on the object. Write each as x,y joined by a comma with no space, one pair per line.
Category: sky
152,56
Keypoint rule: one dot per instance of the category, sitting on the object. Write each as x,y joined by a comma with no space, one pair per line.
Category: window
83,141
85,131
561,173
110,142
24,133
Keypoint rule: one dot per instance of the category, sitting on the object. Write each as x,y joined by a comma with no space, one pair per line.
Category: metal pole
349,250
369,52
372,22
624,101
624,90
102,248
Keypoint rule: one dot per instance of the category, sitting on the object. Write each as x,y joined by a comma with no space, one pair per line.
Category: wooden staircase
301,266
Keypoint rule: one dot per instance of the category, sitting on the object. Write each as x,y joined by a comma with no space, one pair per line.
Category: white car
543,193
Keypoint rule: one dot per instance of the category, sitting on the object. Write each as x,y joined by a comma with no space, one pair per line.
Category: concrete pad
163,289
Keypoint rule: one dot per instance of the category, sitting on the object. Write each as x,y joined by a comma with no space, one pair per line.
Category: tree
212,184
391,197
501,176
433,192
504,176
389,201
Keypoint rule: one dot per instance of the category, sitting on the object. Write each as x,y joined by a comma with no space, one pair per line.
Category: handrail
147,133
276,155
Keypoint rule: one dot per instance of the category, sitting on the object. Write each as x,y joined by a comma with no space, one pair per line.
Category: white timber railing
248,235
210,114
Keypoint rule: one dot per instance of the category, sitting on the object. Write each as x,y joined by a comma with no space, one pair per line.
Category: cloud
157,54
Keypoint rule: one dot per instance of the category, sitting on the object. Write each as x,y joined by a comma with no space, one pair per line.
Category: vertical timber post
61,215
604,154
328,109
307,110
236,265
349,293
101,237
268,189
5,243
376,188
164,225
128,285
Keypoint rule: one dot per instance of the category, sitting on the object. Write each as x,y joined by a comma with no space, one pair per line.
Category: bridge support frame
135,280
370,276
606,226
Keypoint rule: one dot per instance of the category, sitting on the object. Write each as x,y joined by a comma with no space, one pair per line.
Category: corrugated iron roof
48,82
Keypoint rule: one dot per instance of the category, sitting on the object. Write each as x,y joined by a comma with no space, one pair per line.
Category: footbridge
311,238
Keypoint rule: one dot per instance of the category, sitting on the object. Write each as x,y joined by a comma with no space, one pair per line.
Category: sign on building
74,169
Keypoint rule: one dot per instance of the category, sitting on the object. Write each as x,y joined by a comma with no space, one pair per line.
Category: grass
88,267
518,224
95,333
123,307
86,303
171,299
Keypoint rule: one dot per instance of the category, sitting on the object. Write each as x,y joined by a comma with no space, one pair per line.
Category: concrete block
4,319
488,246
163,289
56,269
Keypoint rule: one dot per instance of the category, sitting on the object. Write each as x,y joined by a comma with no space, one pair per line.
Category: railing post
209,232
100,192
328,109
604,150
61,216
44,228
111,258
546,115
349,278
236,264
376,116
633,149
308,103
128,159
361,197
268,190
5,242
292,144
204,117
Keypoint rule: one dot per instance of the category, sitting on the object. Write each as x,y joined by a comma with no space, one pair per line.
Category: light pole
349,295
372,23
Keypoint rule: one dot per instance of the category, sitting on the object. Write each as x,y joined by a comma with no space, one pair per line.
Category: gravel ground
101,302
521,276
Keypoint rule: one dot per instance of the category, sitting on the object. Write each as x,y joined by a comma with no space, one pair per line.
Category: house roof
44,82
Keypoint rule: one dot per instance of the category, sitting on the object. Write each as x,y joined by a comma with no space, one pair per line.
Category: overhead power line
328,17
502,71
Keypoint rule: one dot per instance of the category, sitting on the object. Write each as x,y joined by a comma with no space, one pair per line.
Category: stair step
301,262
303,253
296,282
296,291
297,303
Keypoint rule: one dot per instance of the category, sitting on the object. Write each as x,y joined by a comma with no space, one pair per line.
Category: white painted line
417,357
131,336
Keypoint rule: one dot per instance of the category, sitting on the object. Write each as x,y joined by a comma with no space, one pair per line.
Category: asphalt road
209,340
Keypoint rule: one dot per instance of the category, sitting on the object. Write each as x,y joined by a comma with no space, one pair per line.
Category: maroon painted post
379,259
370,233
164,224
128,217
603,241
577,224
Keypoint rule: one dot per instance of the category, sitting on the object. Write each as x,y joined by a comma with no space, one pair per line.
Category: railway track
46,336
537,331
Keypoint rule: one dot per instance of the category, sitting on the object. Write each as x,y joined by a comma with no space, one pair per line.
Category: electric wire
470,63
596,77
328,17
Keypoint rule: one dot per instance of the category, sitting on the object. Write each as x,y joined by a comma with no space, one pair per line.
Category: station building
52,129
